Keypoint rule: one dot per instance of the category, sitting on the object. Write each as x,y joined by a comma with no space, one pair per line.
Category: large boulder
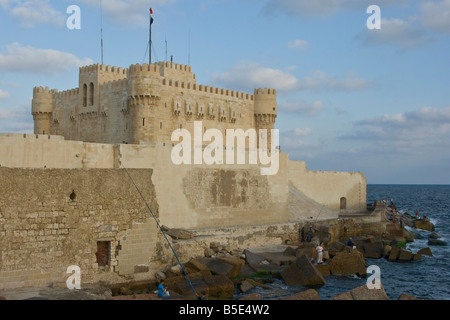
302,273
196,264
309,294
336,247
387,251
259,264
373,249
245,286
289,251
436,242
394,253
220,287
434,235
251,296
324,269
186,288
235,262
228,265
180,234
308,249
425,251
363,293
405,296
405,256
423,224
348,263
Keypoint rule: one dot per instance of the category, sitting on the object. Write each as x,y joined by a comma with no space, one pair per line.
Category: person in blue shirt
162,292
350,243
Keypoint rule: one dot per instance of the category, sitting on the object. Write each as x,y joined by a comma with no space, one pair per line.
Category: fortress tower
265,111
144,93
42,109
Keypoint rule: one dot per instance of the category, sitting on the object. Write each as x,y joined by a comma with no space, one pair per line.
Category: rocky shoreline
224,272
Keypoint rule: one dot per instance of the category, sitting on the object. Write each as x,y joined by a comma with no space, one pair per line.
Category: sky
350,97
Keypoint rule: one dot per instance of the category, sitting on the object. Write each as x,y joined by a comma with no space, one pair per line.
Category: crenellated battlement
175,66
265,91
44,90
67,93
207,89
102,67
144,68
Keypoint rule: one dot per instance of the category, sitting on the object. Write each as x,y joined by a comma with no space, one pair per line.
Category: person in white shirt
319,249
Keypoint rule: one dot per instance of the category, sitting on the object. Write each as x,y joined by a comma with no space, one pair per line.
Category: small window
160,125
343,203
91,94
103,253
84,95
143,122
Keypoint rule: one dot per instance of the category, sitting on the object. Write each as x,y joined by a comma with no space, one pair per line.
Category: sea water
428,278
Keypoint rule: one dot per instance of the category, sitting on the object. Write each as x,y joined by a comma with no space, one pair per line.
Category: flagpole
101,28
150,39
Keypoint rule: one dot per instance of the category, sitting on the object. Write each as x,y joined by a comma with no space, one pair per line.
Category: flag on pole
151,16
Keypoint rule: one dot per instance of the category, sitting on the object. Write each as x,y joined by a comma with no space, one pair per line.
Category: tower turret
144,93
265,110
42,109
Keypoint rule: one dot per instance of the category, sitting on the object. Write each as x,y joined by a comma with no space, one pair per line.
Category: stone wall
194,196
46,151
204,196
340,191
53,218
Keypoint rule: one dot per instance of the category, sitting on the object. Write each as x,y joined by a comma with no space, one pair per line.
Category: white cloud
4,3
301,107
28,59
4,94
252,75
16,120
299,132
32,12
319,80
414,132
298,44
436,15
135,12
308,8
397,32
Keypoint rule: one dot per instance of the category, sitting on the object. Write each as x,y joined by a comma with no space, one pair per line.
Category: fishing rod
164,234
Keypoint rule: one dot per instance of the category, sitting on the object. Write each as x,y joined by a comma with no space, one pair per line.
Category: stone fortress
66,198
145,104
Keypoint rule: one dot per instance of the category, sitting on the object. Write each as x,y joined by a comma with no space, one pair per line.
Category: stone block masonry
53,218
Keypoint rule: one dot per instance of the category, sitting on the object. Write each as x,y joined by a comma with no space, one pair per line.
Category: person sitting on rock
162,292
350,243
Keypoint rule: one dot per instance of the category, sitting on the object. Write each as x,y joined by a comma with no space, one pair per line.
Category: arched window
343,204
91,94
84,95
